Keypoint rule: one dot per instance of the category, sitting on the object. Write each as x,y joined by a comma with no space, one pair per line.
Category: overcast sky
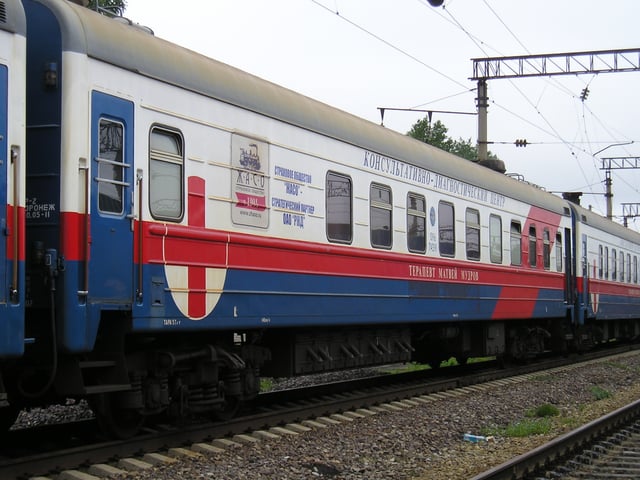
358,55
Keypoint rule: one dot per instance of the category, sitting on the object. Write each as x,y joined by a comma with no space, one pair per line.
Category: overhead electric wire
481,45
389,44
495,14
446,97
555,133
583,104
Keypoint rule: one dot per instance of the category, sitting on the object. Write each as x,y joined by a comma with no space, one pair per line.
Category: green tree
108,7
436,134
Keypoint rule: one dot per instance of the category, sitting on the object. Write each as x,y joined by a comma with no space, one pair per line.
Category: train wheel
229,409
115,420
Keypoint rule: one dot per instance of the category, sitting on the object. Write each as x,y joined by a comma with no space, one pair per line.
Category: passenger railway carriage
608,283
190,227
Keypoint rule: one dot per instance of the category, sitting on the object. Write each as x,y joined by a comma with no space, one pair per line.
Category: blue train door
111,248
4,167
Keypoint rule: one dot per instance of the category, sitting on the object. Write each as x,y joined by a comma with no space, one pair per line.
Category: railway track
607,448
616,457
272,410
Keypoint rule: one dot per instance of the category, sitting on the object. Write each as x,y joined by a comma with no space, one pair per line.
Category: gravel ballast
425,441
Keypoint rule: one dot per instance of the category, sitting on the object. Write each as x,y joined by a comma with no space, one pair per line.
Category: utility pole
630,210
483,104
492,68
615,163
602,61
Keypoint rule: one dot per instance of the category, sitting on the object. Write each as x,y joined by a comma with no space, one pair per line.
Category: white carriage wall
75,148
296,208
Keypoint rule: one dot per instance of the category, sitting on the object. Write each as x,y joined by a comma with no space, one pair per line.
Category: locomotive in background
178,228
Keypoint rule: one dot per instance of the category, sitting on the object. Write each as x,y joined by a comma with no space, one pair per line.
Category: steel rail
527,464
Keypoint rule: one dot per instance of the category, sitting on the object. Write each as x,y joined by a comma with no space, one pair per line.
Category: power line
505,26
448,16
388,44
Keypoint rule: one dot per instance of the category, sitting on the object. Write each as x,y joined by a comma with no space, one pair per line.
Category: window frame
533,246
157,156
546,248
600,261
419,216
472,229
378,207
515,239
335,238
614,264
442,204
112,180
495,240
559,253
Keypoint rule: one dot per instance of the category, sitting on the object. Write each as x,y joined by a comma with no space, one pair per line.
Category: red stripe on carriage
516,302
15,232
197,274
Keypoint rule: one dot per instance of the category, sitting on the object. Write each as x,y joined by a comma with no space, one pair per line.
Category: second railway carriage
197,225
607,279
12,146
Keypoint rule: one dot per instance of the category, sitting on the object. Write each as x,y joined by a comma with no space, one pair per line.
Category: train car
194,227
607,279
12,191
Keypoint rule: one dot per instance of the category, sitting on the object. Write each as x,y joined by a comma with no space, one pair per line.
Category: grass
452,362
407,367
543,411
266,384
600,393
537,421
522,428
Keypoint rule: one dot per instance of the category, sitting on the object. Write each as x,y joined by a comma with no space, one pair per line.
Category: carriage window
635,269
495,238
546,249
516,249
416,223
628,268
446,231
166,163
606,262
614,264
533,247
621,270
380,211
111,165
472,225
559,252
339,205
600,261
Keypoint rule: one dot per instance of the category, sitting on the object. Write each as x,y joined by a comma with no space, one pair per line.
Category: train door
584,265
569,277
111,248
4,168
572,265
